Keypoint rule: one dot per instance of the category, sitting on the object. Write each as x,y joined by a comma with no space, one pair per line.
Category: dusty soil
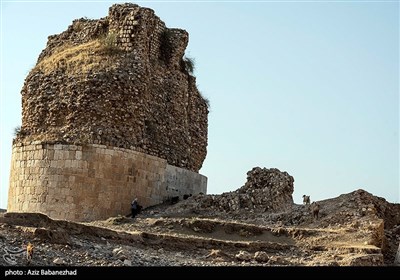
353,229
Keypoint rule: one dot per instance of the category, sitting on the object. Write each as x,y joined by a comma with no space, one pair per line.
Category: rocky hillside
121,81
232,229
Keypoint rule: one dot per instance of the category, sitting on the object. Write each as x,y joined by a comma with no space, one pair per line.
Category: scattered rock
365,260
120,253
58,261
127,263
261,256
218,255
243,256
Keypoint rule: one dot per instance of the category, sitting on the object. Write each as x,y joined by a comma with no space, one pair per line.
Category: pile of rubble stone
266,190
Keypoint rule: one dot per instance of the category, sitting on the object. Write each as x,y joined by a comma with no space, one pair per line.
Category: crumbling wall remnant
119,81
110,108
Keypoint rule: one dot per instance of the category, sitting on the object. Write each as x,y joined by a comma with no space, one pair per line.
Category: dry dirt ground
354,229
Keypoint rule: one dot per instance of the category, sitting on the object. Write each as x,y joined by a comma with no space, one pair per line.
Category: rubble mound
360,209
266,199
265,188
266,191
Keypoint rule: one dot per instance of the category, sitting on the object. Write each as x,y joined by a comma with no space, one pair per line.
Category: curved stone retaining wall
92,182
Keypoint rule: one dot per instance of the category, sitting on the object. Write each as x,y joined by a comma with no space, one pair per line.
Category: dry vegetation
81,59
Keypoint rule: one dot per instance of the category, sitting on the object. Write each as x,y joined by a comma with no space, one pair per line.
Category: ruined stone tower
110,112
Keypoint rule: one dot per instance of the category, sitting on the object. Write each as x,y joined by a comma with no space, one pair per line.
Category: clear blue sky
311,88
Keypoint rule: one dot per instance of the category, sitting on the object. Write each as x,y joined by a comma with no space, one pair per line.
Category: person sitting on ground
134,208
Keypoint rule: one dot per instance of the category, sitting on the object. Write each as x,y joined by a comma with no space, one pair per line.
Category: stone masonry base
91,182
